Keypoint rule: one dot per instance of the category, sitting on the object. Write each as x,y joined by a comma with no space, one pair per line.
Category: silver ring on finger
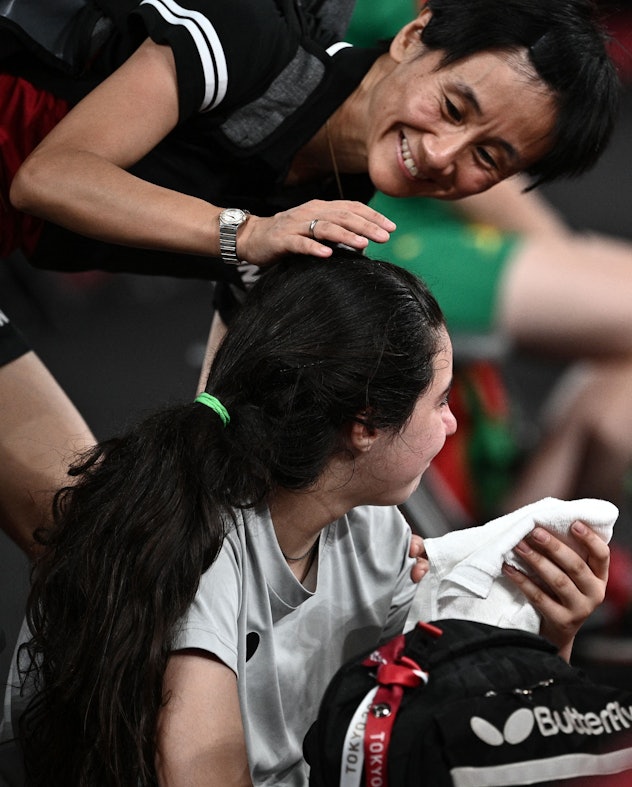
312,226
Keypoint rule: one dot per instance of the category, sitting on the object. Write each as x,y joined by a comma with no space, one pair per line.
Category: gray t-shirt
284,642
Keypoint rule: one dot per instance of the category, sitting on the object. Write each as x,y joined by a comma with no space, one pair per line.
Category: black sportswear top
256,80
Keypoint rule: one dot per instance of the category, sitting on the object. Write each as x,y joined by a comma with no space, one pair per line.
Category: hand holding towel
465,579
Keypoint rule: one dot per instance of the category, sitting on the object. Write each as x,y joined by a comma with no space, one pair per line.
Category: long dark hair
567,48
316,343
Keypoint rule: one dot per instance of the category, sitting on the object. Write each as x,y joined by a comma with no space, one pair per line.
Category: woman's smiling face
455,130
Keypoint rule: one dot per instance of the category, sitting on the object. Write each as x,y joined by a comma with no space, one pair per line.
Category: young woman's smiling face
456,130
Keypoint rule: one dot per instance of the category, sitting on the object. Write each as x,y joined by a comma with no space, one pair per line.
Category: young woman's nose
450,422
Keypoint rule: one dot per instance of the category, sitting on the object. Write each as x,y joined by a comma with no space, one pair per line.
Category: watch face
233,215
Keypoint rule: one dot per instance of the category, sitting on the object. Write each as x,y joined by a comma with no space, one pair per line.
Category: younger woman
210,571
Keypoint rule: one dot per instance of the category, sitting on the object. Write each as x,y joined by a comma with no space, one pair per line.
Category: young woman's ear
361,435
407,43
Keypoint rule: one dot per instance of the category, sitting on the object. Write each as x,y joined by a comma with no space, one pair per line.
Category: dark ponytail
316,343
133,536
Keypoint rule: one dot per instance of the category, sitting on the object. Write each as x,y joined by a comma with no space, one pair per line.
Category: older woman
258,107
208,133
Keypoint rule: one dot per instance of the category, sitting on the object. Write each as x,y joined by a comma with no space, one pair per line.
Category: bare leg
570,297
216,334
585,450
41,432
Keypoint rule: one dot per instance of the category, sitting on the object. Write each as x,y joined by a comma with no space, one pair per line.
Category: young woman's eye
486,158
453,111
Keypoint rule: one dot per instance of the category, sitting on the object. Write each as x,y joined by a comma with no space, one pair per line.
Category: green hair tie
214,403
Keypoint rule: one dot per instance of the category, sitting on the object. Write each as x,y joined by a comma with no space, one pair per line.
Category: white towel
465,578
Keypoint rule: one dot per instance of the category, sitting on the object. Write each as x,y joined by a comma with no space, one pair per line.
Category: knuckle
565,621
560,583
584,611
577,567
601,593
600,549
534,557
552,545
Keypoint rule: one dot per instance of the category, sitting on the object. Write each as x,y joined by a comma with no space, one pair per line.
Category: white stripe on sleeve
207,43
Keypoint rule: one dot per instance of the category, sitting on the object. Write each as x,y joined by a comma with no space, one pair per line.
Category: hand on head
311,228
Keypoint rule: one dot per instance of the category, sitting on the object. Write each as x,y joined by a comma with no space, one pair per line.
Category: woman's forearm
77,177
85,193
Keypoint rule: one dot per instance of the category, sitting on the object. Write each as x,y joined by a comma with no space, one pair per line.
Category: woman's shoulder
382,527
225,51
379,516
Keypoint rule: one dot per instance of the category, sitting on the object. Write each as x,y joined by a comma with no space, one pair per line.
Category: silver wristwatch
230,220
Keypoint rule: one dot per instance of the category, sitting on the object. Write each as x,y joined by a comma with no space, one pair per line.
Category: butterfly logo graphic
517,728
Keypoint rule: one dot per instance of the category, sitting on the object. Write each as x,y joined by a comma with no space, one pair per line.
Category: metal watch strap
230,220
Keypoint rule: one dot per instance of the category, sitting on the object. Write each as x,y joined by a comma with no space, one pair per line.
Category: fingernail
579,528
509,569
390,225
523,548
540,535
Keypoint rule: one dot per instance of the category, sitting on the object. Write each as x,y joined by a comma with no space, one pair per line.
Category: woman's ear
407,42
361,435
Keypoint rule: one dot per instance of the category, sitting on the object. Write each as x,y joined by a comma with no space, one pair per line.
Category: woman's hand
418,551
300,230
575,587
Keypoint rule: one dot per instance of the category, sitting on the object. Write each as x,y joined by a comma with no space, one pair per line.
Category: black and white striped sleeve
225,50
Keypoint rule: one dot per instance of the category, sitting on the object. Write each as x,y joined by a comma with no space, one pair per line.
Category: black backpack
464,704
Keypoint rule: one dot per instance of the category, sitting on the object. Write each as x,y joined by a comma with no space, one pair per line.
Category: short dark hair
567,47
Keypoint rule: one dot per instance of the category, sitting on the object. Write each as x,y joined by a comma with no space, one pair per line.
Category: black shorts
12,343
228,297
